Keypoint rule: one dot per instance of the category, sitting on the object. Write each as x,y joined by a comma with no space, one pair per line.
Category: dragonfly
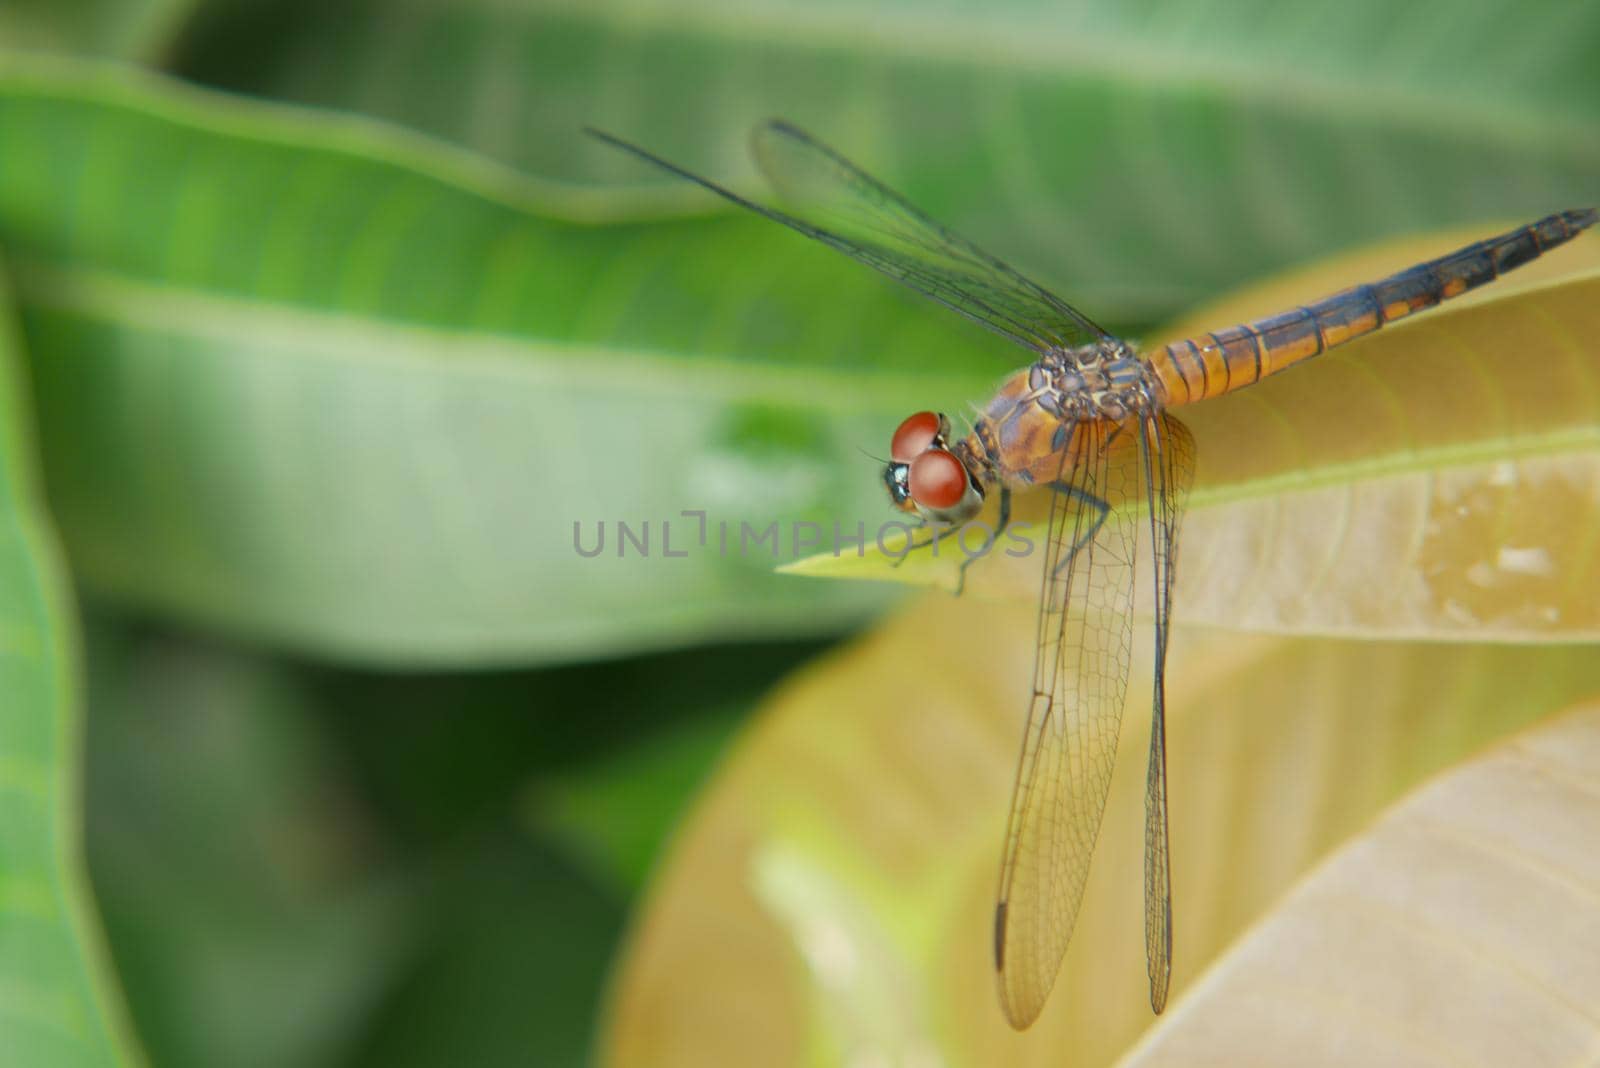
1087,421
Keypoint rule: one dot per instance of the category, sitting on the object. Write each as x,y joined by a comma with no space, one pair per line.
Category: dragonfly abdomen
1213,364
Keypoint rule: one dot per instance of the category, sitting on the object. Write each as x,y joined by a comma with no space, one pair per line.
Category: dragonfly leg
1102,509
938,537
1000,527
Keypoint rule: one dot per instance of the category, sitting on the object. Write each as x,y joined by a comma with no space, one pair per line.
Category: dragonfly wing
1166,449
1080,682
838,204
881,228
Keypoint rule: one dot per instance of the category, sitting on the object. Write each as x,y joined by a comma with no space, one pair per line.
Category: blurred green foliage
303,864
376,764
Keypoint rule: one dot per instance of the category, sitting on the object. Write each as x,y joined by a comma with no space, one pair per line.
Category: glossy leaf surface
1460,929
837,881
329,385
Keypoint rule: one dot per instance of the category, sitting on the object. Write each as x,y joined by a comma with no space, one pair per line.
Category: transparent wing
833,201
1167,452
1080,681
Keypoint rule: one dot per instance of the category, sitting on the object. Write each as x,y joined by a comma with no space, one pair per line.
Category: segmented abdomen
1214,364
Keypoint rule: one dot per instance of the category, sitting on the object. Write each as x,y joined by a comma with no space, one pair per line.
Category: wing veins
947,240
910,248
1167,452
1079,682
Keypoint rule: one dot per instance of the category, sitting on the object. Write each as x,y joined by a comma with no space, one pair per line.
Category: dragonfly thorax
1101,381
1021,434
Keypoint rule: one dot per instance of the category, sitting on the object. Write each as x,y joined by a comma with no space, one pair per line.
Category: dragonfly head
924,477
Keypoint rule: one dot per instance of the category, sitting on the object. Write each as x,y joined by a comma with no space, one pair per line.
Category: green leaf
1426,480
1139,156
323,382
58,1001
1460,928
836,880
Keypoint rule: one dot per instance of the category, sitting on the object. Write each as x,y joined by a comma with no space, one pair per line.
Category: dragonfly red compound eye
938,480
914,436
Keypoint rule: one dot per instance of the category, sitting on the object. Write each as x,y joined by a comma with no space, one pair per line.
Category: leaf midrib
191,313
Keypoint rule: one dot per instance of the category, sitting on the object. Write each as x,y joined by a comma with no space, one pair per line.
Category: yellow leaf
1464,928
830,900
